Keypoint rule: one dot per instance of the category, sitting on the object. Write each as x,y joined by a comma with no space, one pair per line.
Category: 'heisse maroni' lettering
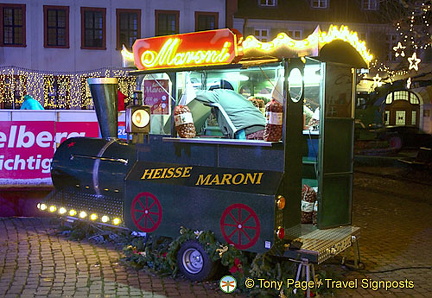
166,173
229,179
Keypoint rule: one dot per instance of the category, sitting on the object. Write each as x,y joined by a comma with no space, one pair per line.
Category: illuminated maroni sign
212,47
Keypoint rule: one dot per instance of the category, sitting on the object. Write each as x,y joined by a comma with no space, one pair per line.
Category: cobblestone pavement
395,245
35,261
395,218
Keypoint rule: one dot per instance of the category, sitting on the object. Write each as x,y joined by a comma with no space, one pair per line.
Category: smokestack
104,93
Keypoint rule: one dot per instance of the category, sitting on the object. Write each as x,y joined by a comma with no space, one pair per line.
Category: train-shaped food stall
249,192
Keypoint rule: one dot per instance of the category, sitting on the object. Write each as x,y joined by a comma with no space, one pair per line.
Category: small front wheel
395,142
194,262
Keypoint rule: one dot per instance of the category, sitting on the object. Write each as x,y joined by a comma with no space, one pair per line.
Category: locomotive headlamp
72,212
105,219
138,119
116,221
52,208
83,214
93,216
137,115
62,210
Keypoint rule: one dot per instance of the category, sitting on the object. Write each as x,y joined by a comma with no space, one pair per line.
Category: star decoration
414,62
71,144
377,81
399,50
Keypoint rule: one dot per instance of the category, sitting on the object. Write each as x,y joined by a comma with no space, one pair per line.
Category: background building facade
49,48
81,35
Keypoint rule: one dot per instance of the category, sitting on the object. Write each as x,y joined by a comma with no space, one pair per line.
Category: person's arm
207,96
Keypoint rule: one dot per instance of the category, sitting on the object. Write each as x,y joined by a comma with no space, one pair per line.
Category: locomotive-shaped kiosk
248,192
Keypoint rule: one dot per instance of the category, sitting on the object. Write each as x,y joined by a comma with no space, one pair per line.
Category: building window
267,2
319,3
13,88
13,25
295,34
56,24
389,99
400,95
128,27
413,117
370,5
167,22
93,28
57,92
206,20
262,34
391,40
387,117
412,98
400,118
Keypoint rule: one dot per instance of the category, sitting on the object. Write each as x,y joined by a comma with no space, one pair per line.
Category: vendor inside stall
236,115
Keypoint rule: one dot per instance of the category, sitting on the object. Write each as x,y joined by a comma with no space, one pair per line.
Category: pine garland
159,255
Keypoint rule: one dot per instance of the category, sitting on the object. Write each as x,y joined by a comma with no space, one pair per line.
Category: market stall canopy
342,52
224,47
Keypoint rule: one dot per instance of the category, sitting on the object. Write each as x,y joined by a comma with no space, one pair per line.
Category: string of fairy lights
419,15
414,37
56,90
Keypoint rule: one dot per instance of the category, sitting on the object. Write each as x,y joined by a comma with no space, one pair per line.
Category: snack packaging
274,118
184,122
307,204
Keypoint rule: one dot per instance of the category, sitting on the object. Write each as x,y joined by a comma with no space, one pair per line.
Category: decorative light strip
105,219
55,90
281,40
126,54
317,38
343,33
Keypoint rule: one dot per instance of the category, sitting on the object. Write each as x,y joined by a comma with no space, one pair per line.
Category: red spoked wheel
240,226
146,212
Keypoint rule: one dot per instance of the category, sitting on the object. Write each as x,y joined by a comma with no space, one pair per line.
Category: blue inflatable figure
31,104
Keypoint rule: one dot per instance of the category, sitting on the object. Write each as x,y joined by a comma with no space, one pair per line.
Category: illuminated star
399,49
377,81
414,62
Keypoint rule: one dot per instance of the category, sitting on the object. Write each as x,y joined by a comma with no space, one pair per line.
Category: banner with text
27,147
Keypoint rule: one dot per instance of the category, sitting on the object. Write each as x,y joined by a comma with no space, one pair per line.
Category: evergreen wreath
159,255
